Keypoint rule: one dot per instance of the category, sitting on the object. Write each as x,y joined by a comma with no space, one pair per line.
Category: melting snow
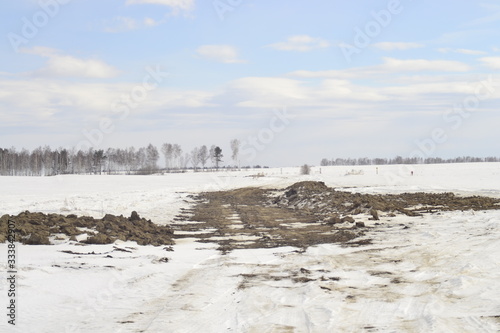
442,274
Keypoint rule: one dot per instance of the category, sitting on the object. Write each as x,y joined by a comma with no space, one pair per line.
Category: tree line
45,161
404,160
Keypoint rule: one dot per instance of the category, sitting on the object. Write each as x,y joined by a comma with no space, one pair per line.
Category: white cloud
389,46
471,52
319,74
269,86
390,66
300,43
462,51
52,100
42,51
60,65
494,15
434,89
221,53
398,65
68,66
332,90
176,5
48,102
149,22
491,62
269,92
344,74
334,105
121,24
124,24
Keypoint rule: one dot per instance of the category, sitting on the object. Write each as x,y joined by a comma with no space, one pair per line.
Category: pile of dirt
309,186
304,214
38,228
327,203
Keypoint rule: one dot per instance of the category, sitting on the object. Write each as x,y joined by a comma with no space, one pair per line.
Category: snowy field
442,274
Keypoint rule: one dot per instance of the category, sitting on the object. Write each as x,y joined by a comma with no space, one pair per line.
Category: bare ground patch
304,214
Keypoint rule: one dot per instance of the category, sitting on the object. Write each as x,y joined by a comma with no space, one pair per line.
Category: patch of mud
246,218
287,279
304,214
39,229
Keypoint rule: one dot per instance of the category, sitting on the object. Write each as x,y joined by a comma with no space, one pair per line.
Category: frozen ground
440,275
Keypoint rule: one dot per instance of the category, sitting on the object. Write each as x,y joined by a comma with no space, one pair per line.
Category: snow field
441,274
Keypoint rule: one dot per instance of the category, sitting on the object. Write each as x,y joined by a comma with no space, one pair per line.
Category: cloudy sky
293,80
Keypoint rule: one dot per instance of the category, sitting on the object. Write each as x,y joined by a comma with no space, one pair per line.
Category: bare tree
47,161
184,161
23,158
141,158
132,160
152,157
203,155
167,150
98,160
212,154
177,152
36,161
305,169
63,160
195,157
218,156
111,161
235,147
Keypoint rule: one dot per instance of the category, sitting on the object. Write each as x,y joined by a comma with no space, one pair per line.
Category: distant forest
45,161
403,160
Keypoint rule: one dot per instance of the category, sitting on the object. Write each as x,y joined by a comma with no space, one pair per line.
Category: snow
441,274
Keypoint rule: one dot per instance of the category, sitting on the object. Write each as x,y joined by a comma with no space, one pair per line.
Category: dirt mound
324,201
309,186
304,214
38,228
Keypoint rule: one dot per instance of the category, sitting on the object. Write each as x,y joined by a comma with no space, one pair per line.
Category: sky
294,81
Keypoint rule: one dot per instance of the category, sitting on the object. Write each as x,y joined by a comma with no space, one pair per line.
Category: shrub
305,169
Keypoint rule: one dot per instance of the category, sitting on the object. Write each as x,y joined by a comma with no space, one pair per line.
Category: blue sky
353,78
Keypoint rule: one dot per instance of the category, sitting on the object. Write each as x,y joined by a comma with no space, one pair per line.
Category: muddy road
305,214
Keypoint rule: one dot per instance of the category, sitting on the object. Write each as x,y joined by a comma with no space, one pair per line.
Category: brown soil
304,214
36,228
317,197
